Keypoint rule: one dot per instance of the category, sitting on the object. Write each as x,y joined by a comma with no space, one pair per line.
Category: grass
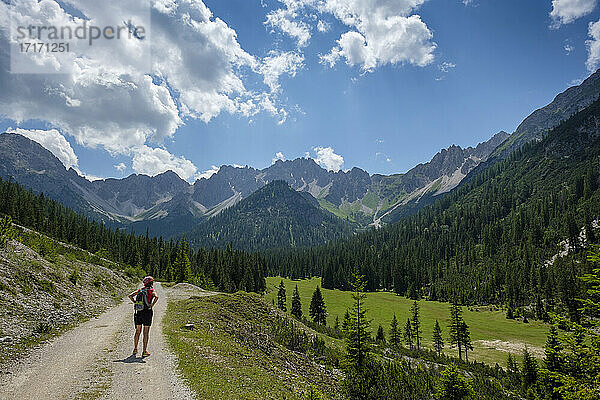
484,323
231,353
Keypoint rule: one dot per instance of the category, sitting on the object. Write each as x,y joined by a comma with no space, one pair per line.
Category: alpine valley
167,206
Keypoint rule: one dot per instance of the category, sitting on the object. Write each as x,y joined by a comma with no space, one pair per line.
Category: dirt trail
94,361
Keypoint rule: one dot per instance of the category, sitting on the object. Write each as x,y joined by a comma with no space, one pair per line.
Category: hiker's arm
132,296
154,299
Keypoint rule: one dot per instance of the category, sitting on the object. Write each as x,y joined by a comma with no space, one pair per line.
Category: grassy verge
232,352
493,336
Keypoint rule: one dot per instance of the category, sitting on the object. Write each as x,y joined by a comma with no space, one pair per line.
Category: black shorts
143,317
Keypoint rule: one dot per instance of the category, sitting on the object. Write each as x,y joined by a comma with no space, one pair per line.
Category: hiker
144,299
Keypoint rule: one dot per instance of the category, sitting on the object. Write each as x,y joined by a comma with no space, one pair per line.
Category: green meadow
493,336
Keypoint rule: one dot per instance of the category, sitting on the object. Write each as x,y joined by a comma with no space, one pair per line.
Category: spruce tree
281,297
455,326
346,322
380,338
408,335
416,325
553,349
296,304
452,385
318,310
182,267
394,332
529,371
438,341
465,339
358,338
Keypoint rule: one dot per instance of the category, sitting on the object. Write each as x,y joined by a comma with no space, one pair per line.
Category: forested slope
227,269
275,216
488,241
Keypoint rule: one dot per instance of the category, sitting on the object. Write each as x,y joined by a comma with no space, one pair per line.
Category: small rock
189,327
6,339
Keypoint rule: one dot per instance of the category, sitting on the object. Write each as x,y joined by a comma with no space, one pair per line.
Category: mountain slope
564,105
274,216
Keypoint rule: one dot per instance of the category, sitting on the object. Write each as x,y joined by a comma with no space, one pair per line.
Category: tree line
226,269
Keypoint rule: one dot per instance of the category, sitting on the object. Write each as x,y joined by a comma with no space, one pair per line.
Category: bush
7,232
43,328
75,276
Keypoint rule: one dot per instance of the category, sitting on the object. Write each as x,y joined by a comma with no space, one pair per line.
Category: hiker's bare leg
136,337
146,333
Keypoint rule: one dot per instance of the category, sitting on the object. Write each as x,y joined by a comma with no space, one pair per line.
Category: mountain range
168,206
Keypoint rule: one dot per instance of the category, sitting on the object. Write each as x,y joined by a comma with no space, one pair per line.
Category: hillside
47,287
489,241
274,216
239,348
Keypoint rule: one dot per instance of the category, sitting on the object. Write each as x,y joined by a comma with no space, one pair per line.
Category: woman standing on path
144,299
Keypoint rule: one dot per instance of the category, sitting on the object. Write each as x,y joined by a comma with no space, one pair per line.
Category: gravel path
94,361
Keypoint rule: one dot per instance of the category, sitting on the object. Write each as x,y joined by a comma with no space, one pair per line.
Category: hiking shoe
134,352
145,354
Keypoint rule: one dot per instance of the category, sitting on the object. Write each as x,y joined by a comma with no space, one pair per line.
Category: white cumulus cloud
280,63
208,173
154,161
567,11
327,158
120,167
380,32
278,156
199,71
52,141
593,46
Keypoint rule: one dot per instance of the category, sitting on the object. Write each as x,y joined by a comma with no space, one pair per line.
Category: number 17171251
44,47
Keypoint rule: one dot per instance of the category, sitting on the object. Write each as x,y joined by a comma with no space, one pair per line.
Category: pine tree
296,304
281,297
357,341
380,338
452,385
394,332
346,322
318,310
336,325
438,341
553,350
465,339
416,325
455,327
408,335
182,266
511,364
529,371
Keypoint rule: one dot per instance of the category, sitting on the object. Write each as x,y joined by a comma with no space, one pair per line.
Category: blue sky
494,62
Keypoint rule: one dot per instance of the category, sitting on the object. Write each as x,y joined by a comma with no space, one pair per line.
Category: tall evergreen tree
552,350
529,372
465,339
438,341
416,325
452,385
358,338
182,266
408,335
318,309
282,297
394,332
346,322
380,338
296,304
455,327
